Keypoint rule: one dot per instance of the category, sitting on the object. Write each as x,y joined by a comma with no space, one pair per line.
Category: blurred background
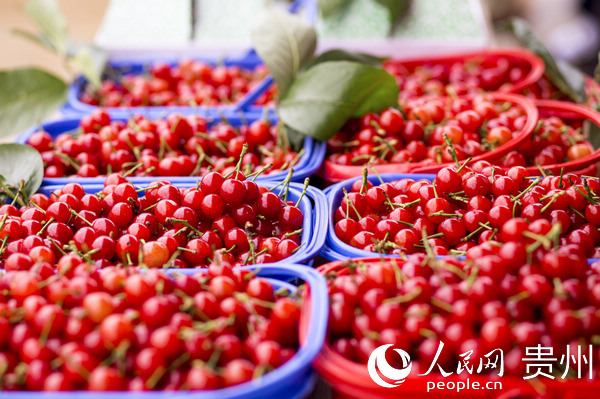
83,18
569,28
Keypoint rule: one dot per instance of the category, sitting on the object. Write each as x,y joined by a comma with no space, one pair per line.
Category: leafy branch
29,95
318,95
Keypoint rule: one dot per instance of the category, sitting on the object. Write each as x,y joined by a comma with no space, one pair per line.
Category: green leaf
592,133
51,22
90,61
285,43
329,7
98,56
21,162
396,10
343,55
27,96
323,98
40,40
567,79
573,77
295,138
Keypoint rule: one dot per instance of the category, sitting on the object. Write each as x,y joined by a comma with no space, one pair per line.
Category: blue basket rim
303,255
270,383
334,195
308,164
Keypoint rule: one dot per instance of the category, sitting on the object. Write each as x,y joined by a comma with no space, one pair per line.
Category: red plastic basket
533,65
569,112
351,380
332,172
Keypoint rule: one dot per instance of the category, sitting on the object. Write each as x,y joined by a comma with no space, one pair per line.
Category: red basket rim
352,378
569,110
335,172
536,64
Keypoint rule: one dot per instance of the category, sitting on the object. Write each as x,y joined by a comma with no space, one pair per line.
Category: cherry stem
442,213
577,212
35,205
389,201
558,288
285,182
452,150
9,191
226,251
542,171
258,173
464,164
404,298
590,195
20,192
293,233
477,230
560,182
434,189
4,240
531,186
141,190
442,304
239,163
352,143
376,173
242,296
74,163
74,213
133,169
378,129
389,145
379,246
185,223
547,240
554,197
303,193
39,233
3,221
251,251
297,249
184,249
150,207
519,297
365,185
351,204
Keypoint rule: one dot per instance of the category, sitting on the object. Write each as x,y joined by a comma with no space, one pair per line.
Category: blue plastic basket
294,380
313,206
309,163
248,60
336,249
75,106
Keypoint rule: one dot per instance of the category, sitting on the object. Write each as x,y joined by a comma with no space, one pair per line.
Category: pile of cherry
417,303
228,220
118,329
188,83
554,142
424,129
468,209
175,146
468,76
